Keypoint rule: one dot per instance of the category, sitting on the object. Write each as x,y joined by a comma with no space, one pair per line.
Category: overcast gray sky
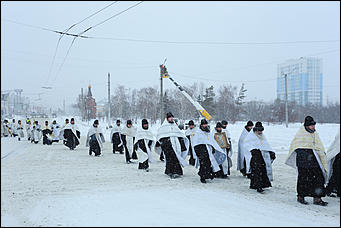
27,52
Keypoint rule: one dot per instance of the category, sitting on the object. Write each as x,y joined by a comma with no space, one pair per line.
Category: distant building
304,80
90,104
101,108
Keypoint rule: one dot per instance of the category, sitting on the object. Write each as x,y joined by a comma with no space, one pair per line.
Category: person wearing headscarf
307,154
189,134
208,154
259,159
174,144
95,139
128,137
115,136
144,145
241,162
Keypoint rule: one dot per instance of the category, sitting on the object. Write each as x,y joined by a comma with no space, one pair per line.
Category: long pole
161,97
109,99
286,101
82,104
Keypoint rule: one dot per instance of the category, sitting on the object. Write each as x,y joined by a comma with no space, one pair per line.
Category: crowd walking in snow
208,150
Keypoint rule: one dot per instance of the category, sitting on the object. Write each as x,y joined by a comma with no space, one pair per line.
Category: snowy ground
53,186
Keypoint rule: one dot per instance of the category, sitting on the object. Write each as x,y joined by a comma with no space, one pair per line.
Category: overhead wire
86,30
176,42
65,33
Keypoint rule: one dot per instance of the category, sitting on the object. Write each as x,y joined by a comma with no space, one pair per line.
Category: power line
213,42
86,30
178,42
65,33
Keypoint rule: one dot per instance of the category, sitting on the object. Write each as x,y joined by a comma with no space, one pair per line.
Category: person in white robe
128,137
259,158
29,130
174,144
222,140
307,154
95,139
55,127
189,134
20,130
208,154
71,134
6,128
61,132
116,139
47,139
333,159
144,145
228,134
241,162
36,132
13,127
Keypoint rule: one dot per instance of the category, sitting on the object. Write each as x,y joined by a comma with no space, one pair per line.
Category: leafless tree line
226,102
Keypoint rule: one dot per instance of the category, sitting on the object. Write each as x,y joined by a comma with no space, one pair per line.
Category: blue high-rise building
304,80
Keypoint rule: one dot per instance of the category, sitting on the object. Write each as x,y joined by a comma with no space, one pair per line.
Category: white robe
13,127
191,132
173,132
29,130
130,133
252,141
36,132
146,135
6,129
55,131
228,161
241,149
74,128
98,134
117,129
219,157
20,130
332,151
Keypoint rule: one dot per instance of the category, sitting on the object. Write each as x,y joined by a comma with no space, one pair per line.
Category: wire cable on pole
86,30
65,33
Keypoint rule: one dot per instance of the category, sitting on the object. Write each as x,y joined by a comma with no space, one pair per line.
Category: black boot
319,201
301,200
202,180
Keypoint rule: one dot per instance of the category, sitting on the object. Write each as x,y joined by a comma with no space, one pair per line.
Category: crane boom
196,104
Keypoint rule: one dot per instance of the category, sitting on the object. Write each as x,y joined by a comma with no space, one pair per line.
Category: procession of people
208,150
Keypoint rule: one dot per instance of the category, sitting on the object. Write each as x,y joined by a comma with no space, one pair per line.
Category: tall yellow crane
203,112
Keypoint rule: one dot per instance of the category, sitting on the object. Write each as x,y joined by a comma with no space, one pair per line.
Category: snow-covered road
53,186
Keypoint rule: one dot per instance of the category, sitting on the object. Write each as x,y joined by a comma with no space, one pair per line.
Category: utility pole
64,106
109,99
286,101
162,67
82,104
